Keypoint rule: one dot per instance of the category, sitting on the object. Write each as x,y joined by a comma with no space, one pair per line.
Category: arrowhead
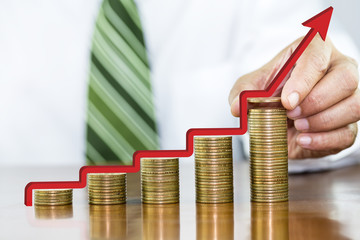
320,22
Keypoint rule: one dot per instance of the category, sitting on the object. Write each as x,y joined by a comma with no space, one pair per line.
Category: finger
340,82
309,69
335,140
339,115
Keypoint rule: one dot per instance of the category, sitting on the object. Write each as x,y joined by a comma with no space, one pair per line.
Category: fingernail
301,124
304,140
293,99
294,113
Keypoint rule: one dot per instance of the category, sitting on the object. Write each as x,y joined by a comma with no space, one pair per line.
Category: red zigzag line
135,167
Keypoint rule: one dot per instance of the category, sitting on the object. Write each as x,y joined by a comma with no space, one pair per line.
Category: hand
321,95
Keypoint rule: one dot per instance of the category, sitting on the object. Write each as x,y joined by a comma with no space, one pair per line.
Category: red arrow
318,23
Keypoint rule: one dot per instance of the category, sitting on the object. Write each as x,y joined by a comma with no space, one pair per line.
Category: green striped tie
120,115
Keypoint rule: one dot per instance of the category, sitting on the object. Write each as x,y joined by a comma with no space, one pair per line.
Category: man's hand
321,95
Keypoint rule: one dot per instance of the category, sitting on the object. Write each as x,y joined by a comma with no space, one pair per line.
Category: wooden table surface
322,206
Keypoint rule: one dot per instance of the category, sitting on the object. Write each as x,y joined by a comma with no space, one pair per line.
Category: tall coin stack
107,188
160,180
53,197
213,169
267,122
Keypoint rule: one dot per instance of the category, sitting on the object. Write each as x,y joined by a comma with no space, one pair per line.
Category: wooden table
322,206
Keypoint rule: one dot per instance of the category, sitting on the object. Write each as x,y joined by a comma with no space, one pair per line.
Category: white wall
347,12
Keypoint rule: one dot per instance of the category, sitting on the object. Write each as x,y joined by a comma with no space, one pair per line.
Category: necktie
120,112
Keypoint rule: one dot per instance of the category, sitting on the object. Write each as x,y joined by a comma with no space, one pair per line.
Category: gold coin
260,189
214,178
160,187
210,151
216,184
264,100
226,164
53,202
65,198
275,161
213,154
221,145
160,179
53,191
266,123
215,138
160,164
107,183
106,175
214,200
161,201
95,199
213,160
270,191
274,197
266,139
277,144
267,110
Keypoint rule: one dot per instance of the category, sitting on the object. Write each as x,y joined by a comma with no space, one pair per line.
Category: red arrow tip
320,22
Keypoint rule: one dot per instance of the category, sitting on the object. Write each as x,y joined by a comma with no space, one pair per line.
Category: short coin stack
107,188
160,180
53,197
267,122
213,169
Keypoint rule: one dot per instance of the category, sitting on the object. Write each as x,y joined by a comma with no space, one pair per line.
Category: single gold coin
264,100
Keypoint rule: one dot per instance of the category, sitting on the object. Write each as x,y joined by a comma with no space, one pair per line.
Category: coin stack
267,124
107,188
160,180
213,169
53,197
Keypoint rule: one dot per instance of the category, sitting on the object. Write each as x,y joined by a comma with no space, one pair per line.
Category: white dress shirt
197,49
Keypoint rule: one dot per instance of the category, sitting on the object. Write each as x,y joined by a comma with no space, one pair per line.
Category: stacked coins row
160,180
107,188
213,169
267,122
53,197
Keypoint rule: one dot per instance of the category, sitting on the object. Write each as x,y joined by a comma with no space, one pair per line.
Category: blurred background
44,61
347,13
